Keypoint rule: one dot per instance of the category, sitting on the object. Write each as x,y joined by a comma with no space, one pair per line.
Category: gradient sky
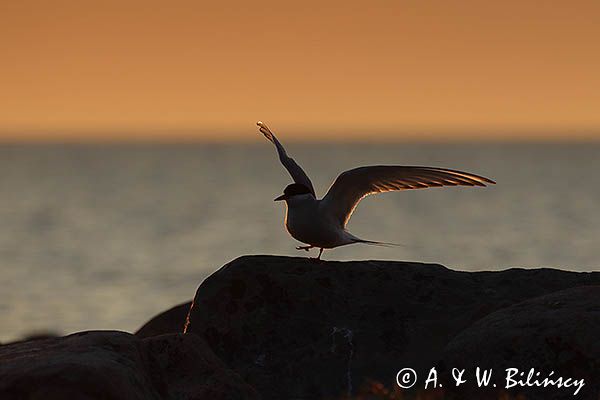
129,69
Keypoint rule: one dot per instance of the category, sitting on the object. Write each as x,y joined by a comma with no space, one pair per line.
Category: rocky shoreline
293,328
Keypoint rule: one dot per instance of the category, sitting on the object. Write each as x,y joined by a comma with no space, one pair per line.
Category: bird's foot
307,248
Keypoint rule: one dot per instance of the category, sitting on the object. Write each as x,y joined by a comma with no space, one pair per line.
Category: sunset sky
345,69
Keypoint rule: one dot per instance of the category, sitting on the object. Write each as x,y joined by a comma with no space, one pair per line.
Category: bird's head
295,191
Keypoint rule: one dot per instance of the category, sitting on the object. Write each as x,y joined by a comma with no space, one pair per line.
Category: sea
106,236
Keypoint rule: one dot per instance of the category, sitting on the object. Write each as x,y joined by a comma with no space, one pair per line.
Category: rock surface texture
558,332
295,328
114,365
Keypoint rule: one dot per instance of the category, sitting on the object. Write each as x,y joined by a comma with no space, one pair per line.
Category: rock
558,332
112,365
304,329
188,369
170,321
36,335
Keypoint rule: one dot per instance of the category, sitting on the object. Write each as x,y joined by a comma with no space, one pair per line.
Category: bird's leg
317,258
307,248
320,252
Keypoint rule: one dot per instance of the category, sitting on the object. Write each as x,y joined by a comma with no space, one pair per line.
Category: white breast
306,223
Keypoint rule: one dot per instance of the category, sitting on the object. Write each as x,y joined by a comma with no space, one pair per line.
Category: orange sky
129,69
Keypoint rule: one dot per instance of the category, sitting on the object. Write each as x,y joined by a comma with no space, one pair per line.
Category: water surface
104,237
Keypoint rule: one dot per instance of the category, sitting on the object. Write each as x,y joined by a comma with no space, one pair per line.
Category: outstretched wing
295,171
352,186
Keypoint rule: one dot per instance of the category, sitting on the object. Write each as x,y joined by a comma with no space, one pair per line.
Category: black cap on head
294,189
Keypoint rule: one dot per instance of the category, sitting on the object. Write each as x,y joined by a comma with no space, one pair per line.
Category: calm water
105,237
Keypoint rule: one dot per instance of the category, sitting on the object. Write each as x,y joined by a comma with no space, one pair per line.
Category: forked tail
383,244
373,242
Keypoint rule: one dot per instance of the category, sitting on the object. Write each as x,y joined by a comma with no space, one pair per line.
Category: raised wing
352,186
295,171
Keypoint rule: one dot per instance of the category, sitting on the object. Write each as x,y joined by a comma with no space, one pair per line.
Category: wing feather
352,186
295,171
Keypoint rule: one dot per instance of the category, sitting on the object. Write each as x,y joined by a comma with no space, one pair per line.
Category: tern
321,223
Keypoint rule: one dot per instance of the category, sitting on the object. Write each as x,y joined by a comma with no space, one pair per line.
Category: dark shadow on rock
112,365
299,328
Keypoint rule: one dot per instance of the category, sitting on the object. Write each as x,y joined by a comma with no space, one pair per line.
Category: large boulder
558,332
307,329
170,321
112,365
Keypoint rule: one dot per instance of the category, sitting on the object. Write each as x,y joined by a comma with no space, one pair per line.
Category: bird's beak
282,197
